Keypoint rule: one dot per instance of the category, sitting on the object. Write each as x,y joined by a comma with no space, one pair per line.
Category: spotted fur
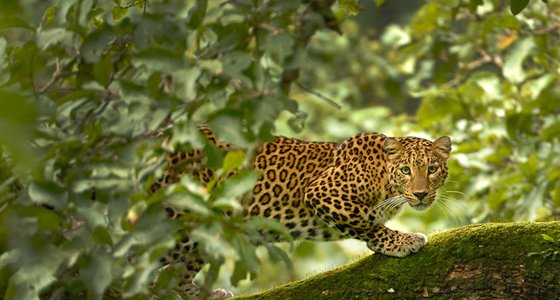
328,191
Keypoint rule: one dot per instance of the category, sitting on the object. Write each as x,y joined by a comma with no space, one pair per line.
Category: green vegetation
84,85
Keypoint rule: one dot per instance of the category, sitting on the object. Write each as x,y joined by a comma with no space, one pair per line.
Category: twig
58,73
550,29
319,95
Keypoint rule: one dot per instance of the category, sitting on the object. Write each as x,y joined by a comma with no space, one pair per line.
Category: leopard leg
186,256
395,243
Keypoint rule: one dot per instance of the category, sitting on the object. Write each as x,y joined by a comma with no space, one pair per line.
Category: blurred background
83,82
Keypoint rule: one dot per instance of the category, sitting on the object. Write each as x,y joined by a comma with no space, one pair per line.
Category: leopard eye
405,170
432,169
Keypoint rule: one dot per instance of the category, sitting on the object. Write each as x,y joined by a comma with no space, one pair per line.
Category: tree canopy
86,85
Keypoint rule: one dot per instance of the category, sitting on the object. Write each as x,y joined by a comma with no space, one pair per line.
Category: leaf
211,238
189,201
100,235
158,60
17,117
233,160
14,22
278,46
118,12
3,44
380,2
36,272
473,4
276,255
350,7
48,193
239,273
228,193
236,61
548,238
212,65
247,253
49,37
85,8
197,13
516,6
513,67
103,70
229,129
95,44
97,274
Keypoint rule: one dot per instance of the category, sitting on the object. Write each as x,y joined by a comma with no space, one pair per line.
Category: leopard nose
420,195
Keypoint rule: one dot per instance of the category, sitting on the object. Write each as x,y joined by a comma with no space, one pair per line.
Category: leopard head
417,167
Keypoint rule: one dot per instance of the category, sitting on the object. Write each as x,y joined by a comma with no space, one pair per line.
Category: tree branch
487,261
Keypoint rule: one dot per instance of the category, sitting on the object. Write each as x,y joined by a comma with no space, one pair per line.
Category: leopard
324,191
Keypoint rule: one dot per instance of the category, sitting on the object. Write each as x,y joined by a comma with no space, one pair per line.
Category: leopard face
417,168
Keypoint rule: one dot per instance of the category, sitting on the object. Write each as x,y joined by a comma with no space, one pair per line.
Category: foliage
85,84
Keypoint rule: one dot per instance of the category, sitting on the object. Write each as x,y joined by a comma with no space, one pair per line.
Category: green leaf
48,193
516,6
85,8
513,67
118,12
197,13
49,37
17,116
97,274
158,60
233,160
278,255
229,129
211,238
103,70
229,192
212,65
189,201
100,235
14,22
380,2
548,238
95,44
248,255
235,62
3,44
239,273
278,46
350,7
214,155
473,4
36,272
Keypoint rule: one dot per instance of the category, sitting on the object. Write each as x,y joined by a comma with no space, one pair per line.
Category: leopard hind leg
186,258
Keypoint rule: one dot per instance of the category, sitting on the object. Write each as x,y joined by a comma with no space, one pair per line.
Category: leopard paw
401,245
220,294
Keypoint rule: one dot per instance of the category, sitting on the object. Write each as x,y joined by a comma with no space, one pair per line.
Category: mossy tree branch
488,261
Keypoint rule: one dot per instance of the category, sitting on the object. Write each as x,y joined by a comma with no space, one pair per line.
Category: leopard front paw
400,245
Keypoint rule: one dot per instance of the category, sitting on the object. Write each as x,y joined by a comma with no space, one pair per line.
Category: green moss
476,256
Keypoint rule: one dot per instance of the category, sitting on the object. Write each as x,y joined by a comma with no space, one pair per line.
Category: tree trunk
488,261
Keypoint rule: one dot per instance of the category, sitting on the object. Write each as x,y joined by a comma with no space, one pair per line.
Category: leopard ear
442,147
392,147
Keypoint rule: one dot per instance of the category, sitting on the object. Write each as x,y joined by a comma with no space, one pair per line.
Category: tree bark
487,261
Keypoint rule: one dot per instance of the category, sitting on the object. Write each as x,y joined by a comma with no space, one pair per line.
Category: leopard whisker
385,205
454,192
444,209
396,201
452,205
449,213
